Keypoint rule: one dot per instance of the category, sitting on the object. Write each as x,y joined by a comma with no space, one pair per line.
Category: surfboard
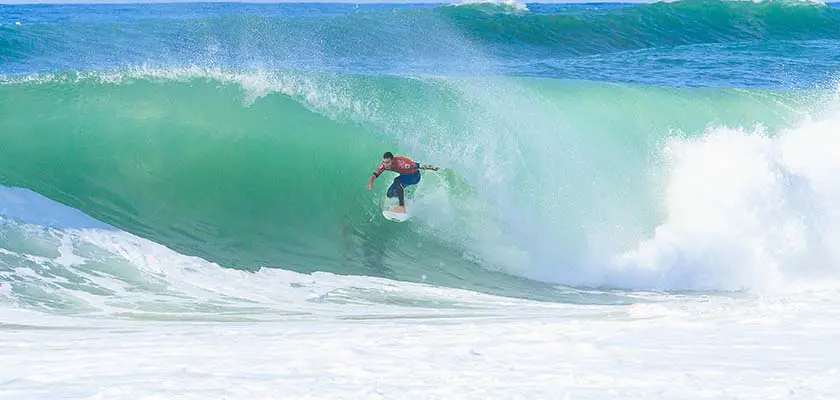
395,216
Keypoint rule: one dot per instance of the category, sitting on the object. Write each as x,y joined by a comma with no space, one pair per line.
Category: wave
544,179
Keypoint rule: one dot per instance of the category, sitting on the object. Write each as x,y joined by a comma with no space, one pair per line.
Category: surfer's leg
400,193
396,190
405,181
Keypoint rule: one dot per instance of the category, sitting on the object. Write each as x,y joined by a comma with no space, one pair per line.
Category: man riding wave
409,175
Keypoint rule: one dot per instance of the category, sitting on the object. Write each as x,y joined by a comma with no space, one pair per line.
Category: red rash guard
401,165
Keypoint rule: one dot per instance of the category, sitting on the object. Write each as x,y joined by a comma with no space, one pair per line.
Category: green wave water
542,179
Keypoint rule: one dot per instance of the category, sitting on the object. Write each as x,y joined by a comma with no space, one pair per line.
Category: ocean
634,201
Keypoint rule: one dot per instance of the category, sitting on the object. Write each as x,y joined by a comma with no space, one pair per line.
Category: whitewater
636,201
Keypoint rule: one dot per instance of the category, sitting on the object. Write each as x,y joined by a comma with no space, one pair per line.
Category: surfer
409,175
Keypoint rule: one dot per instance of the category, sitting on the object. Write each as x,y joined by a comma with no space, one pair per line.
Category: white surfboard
395,216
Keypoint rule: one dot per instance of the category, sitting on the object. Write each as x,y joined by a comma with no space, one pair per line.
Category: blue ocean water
780,44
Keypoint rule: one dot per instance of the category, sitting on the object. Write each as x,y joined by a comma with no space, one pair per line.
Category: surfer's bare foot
398,209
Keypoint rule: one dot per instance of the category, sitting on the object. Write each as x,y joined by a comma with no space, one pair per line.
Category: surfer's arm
379,170
427,166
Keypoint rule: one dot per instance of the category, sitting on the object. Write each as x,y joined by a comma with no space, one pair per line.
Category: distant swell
452,39
659,24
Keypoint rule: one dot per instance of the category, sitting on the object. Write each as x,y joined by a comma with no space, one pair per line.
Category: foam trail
76,265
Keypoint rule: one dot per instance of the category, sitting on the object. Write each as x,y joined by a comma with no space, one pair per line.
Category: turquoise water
244,134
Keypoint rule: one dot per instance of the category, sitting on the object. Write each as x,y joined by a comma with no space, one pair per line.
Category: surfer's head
387,158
